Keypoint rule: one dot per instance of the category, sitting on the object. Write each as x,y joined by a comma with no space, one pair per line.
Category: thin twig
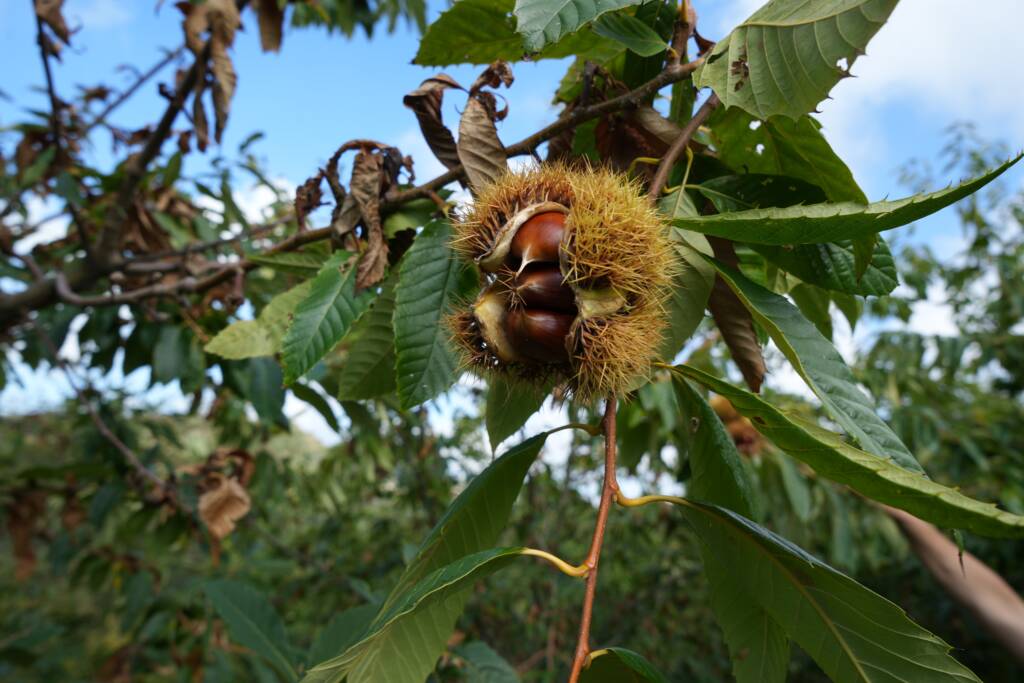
676,150
608,493
101,118
57,127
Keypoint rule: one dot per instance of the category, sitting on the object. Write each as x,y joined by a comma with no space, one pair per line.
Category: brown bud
539,239
542,286
539,335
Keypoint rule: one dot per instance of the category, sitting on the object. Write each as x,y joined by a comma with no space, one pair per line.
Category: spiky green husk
616,255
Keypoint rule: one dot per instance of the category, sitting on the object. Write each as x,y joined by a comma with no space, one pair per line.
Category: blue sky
936,62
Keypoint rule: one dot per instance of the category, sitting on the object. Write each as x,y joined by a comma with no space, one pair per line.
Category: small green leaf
260,337
431,281
252,622
787,56
631,32
619,665
821,366
545,22
34,173
815,223
323,317
509,406
853,634
311,396
868,473
242,339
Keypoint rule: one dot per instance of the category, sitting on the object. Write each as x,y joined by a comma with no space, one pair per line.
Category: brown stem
608,491
676,150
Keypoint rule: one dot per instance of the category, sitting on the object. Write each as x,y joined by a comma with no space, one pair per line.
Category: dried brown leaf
497,74
50,12
365,187
271,18
480,151
425,101
307,198
223,503
734,320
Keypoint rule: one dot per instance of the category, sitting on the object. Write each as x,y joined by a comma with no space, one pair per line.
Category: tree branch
608,493
44,292
676,150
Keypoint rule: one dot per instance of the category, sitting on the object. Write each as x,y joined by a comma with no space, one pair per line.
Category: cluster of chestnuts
575,266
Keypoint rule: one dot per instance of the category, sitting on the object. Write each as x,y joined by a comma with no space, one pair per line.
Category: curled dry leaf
50,12
271,18
368,181
480,151
307,198
496,74
734,320
224,502
425,101
221,19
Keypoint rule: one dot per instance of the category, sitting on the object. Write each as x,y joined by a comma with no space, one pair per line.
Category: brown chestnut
539,335
542,286
538,239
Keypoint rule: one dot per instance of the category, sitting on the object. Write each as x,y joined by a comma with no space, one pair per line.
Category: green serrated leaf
816,360
546,22
405,640
871,474
814,302
369,368
786,57
323,317
853,634
252,622
431,281
758,646
509,406
619,665
482,31
263,386
718,473
832,266
471,524
781,146
242,339
631,32
260,337
818,223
